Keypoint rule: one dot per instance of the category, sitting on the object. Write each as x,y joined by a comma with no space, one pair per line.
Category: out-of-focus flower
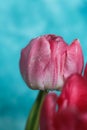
66,119
48,111
47,61
69,119
74,93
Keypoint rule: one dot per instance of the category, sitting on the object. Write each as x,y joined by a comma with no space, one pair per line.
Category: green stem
33,119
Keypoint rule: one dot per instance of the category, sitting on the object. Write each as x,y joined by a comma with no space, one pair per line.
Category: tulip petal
69,119
47,112
75,93
85,72
74,59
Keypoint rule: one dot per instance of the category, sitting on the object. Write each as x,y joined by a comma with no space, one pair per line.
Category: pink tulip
47,61
74,93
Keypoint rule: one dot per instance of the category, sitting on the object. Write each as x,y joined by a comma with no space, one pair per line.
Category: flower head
47,61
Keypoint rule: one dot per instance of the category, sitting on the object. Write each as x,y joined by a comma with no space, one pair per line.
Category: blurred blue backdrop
20,21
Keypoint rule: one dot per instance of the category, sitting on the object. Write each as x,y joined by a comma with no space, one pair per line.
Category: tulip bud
47,61
74,94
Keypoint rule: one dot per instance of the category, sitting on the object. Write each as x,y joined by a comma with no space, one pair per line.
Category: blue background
20,21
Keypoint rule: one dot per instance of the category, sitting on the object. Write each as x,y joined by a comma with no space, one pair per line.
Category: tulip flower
74,93
47,61
66,119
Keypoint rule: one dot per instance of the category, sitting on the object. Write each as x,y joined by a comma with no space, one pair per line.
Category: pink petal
85,72
74,94
74,59
47,112
69,119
